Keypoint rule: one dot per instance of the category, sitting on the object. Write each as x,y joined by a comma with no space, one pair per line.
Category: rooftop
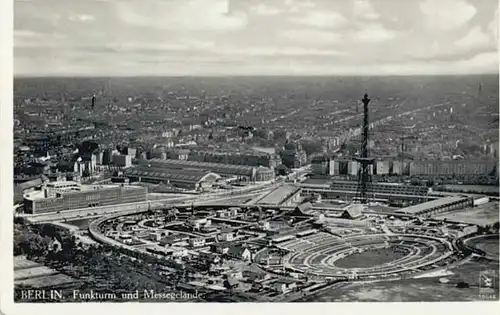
164,174
279,195
416,209
214,167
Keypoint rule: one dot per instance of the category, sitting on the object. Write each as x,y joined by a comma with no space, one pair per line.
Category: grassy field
369,258
50,280
490,246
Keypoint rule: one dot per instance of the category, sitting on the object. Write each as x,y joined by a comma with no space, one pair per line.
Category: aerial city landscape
251,188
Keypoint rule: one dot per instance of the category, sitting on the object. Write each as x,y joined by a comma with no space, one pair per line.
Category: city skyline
282,37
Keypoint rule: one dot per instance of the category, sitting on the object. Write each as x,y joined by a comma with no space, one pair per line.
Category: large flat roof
431,204
39,194
180,175
278,195
214,167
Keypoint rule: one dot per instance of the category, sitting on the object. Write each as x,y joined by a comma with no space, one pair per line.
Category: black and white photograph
253,151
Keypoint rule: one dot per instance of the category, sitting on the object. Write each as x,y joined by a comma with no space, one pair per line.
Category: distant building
293,156
320,165
353,168
122,160
453,168
334,168
382,167
234,157
106,157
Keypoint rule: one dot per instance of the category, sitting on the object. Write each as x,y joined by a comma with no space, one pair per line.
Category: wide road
224,197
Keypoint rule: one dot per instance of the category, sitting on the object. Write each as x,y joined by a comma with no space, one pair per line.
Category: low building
198,223
302,210
255,276
231,283
186,179
239,252
226,235
352,212
197,242
220,248
439,205
284,285
174,240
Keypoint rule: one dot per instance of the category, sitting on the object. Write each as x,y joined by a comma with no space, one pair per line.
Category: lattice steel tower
364,173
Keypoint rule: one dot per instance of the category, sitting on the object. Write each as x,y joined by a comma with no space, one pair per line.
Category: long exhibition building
68,195
248,173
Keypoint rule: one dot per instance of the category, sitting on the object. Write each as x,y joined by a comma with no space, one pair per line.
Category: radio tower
364,175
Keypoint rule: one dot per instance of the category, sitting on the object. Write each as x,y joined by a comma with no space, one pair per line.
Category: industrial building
193,179
68,195
247,173
377,188
439,206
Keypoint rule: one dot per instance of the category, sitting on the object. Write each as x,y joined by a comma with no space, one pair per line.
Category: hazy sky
245,37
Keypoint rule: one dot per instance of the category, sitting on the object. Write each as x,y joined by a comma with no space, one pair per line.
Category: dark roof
190,176
301,210
236,251
353,212
172,239
304,207
218,168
